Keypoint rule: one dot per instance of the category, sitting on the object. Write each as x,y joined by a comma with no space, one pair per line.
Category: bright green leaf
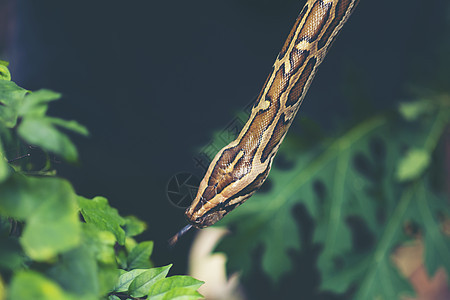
166,285
40,132
11,254
181,293
69,125
76,271
48,206
36,103
4,72
141,285
134,226
32,285
98,212
4,167
125,280
412,111
113,297
11,98
100,242
413,164
139,257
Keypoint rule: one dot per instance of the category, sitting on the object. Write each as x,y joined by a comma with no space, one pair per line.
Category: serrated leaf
98,212
41,132
437,244
267,218
48,206
162,287
126,278
32,285
413,164
141,284
133,226
139,257
351,177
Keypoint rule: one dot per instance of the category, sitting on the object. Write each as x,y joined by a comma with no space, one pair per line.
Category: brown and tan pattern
241,167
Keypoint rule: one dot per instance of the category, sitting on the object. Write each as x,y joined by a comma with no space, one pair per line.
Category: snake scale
239,169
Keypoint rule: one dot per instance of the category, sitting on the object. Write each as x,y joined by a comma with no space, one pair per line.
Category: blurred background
152,80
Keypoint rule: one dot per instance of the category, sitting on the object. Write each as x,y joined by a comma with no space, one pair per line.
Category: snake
240,168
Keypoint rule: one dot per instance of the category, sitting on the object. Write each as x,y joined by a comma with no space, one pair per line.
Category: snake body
240,168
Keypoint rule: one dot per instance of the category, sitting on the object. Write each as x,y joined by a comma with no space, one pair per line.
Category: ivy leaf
32,285
48,207
139,257
142,283
162,288
126,278
98,212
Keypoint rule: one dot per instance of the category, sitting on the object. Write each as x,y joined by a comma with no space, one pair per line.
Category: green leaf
48,206
267,219
430,208
69,125
11,254
139,257
351,177
134,226
161,288
100,242
4,167
11,98
76,271
113,297
32,285
143,282
181,293
412,111
125,280
4,72
35,104
41,132
413,164
98,212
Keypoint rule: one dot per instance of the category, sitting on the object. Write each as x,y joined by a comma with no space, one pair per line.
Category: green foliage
55,244
378,172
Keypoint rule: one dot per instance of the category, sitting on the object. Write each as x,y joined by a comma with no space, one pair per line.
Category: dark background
153,79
